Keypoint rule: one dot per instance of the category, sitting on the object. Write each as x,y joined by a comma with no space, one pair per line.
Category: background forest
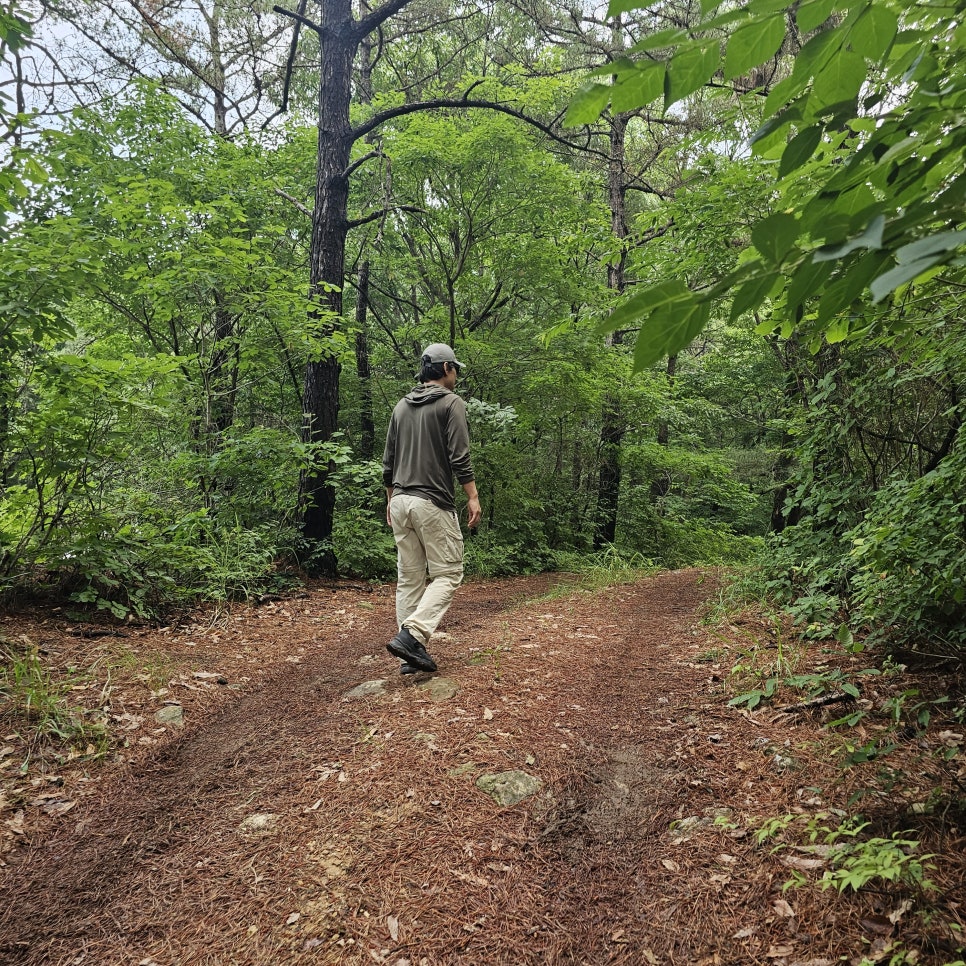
710,298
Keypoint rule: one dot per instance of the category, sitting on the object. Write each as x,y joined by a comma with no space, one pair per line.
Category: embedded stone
367,689
439,689
509,787
171,714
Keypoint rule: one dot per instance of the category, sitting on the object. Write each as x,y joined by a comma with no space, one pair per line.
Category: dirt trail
301,822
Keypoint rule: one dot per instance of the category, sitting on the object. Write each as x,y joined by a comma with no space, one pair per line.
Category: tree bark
320,401
367,424
612,420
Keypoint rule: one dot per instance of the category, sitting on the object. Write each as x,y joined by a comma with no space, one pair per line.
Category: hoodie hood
427,393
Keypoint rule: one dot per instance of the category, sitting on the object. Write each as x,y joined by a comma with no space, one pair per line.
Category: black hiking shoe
407,668
409,650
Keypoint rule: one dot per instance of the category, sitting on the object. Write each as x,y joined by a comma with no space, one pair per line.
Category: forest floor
252,804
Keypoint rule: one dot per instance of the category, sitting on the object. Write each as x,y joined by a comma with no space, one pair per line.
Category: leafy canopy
866,138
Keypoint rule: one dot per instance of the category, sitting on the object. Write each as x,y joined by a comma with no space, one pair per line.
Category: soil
255,805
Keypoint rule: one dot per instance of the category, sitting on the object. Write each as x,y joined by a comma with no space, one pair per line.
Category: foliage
38,706
875,84
854,861
908,556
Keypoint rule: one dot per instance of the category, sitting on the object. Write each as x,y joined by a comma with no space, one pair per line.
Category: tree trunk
612,420
367,425
320,402
661,483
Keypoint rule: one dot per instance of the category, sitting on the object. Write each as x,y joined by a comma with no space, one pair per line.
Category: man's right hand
473,513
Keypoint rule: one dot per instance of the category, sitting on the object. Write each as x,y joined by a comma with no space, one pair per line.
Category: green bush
909,555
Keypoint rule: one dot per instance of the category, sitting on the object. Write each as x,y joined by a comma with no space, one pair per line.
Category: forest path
299,821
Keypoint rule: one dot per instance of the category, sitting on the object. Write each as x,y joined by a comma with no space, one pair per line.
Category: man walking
428,443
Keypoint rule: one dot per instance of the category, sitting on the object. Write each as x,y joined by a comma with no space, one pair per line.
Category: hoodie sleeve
389,453
458,441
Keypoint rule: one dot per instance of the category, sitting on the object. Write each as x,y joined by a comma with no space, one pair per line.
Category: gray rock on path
261,823
439,689
171,714
509,787
367,689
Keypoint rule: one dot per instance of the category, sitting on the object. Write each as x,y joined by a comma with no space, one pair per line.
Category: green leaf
639,89
870,238
752,44
807,279
663,38
813,14
587,105
943,242
850,285
690,68
840,79
874,32
616,7
838,331
753,293
891,280
774,236
800,149
669,330
642,303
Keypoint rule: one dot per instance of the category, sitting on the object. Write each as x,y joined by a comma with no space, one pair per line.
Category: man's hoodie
428,443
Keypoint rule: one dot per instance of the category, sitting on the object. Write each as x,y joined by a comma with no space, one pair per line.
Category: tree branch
376,215
462,103
372,21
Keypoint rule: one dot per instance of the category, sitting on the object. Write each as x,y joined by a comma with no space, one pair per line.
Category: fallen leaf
393,923
618,936
670,865
744,933
649,957
779,952
900,910
487,714
293,919
783,908
877,924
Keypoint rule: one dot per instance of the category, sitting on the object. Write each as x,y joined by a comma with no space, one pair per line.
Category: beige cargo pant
429,543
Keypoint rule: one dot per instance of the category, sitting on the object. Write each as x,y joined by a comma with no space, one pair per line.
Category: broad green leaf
813,57
846,289
670,329
663,38
838,331
707,6
874,32
614,68
839,80
752,44
616,7
891,280
774,236
784,92
813,14
587,105
753,293
638,89
870,238
800,149
943,242
806,280
645,302
690,68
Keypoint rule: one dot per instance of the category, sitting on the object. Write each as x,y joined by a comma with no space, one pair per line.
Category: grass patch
37,707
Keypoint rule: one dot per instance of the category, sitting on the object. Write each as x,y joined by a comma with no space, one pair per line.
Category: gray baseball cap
441,352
